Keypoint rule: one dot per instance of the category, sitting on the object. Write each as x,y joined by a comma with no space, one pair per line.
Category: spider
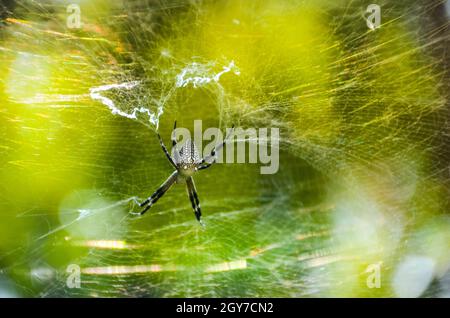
186,162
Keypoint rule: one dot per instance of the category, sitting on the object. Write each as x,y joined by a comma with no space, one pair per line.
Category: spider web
363,118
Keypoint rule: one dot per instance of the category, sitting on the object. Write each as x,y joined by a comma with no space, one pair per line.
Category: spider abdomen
188,159
188,154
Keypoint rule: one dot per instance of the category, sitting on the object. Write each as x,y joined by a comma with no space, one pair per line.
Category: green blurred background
364,157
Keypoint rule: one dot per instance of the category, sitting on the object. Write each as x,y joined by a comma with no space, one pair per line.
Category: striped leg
175,154
194,198
160,192
165,150
212,155
174,141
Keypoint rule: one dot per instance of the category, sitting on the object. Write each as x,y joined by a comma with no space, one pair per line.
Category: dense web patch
363,117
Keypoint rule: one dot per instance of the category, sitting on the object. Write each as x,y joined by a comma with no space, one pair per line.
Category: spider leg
159,192
165,150
176,156
194,198
174,141
207,165
212,155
